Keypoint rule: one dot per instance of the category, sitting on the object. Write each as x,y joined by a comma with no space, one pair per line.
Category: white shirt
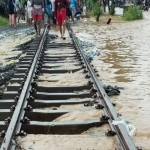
18,5
53,5
29,5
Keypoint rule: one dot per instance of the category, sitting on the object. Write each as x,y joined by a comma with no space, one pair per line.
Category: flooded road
124,61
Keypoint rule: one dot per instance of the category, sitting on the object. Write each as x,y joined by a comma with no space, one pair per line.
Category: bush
133,13
3,21
112,9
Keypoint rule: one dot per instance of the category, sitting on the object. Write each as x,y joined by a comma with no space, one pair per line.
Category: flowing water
124,61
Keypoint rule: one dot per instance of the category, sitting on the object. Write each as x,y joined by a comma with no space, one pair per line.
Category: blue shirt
73,4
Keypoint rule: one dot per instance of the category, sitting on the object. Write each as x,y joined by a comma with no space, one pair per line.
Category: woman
11,9
37,10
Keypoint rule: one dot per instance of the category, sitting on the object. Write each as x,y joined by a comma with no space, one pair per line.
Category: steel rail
123,139
18,114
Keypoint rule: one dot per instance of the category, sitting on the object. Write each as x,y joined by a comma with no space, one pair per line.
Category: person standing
60,14
11,10
37,11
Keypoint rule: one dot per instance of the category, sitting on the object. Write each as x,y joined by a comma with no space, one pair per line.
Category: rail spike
7,120
12,108
28,108
104,118
110,133
2,134
25,120
99,106
31,98
21,133
34,84
16,98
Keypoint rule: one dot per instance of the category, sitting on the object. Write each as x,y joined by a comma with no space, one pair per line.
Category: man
37,10
78,14
73,8
18,9
60,14
29,12
48,11
53,13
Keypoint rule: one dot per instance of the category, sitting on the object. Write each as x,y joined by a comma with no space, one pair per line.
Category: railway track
38,83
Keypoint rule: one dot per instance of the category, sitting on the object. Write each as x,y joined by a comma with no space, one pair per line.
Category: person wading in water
60,14
37,11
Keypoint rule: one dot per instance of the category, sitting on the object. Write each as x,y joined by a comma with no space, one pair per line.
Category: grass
3,21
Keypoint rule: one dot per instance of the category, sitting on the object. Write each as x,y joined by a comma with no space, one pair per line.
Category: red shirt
60,4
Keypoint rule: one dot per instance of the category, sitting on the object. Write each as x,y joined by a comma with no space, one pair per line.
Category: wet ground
124,61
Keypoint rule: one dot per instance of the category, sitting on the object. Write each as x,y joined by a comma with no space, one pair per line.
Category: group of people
57,11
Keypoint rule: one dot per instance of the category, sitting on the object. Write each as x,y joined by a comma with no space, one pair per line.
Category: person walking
73,8
37,11
53,15
29,12
48,11
18,9
11,10
68,11
26,12
60,14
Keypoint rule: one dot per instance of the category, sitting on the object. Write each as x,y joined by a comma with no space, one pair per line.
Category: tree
96,8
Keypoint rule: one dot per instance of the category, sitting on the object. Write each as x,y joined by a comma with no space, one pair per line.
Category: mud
124,61
63,79
66,142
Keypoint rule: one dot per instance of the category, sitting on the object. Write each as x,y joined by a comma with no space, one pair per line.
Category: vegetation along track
31,103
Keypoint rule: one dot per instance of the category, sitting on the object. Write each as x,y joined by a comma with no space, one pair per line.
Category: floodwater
124,61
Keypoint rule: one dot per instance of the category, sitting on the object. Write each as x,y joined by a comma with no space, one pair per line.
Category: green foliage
133,13
3,21
97,10
112,9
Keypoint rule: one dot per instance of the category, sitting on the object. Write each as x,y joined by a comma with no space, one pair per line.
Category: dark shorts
53,17
11,11
68,12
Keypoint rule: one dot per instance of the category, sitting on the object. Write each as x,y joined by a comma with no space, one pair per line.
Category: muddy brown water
124,61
